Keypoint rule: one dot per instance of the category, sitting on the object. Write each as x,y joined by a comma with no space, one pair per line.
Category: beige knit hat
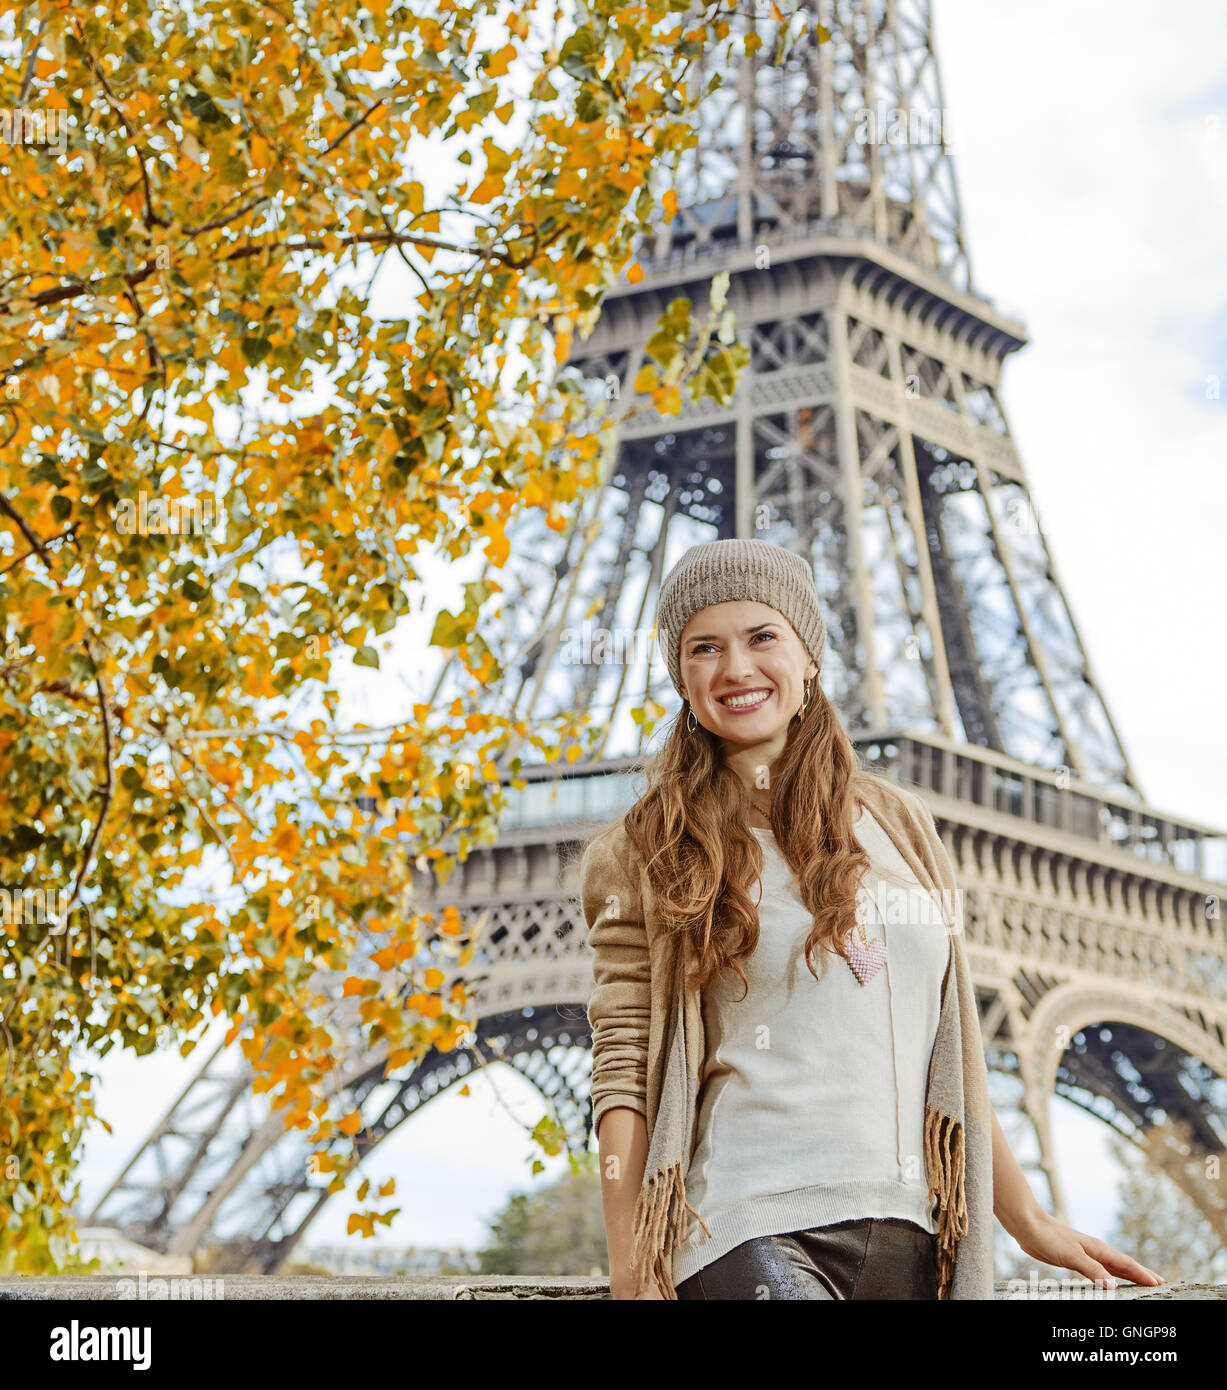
726,571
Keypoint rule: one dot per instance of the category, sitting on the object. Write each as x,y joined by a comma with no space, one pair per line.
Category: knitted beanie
727,571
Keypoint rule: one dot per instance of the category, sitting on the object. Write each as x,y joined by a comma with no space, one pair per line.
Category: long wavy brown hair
692,831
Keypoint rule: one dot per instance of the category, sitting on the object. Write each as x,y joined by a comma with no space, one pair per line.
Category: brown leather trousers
879,1257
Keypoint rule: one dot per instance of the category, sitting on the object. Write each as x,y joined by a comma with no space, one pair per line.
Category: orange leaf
497,65
287,841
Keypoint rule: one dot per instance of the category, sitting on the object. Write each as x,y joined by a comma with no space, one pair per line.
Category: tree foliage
1158,1222
557,1229
219,465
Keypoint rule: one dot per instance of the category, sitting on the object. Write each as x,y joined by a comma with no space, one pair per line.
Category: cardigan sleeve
619,1006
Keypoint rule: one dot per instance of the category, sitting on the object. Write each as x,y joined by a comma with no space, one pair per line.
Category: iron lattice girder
911,536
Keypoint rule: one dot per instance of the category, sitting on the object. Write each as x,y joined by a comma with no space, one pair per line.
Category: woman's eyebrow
714,637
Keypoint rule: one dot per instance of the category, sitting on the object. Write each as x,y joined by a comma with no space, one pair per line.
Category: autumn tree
1159,1223
557,1229
221,466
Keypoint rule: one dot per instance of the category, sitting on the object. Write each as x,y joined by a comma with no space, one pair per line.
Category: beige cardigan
648,1048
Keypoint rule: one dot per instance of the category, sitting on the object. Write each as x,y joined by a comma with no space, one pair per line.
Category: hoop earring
691,728
804,702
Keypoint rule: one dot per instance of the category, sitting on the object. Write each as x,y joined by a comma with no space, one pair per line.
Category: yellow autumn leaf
500,546
488,189
287,841
499,62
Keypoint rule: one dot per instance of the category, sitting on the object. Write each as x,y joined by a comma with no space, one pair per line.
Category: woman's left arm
1039,1235
1045,1238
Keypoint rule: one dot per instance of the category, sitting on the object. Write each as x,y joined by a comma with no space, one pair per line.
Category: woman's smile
745,704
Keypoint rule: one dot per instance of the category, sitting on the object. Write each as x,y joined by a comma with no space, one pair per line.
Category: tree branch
36,545
25,555
151,218
28,75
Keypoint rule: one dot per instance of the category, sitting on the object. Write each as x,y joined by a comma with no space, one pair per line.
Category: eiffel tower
868,433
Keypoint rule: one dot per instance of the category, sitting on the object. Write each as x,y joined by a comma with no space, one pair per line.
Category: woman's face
744,648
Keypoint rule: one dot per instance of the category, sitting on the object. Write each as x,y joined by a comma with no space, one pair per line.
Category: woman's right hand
623,1289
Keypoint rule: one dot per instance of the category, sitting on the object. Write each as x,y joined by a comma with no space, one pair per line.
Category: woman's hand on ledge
1047,1239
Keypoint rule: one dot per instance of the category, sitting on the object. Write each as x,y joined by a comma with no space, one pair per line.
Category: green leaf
255,350
201,105
577,52
448,631
366,656
587,107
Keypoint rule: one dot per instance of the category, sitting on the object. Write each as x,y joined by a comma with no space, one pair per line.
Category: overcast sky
1090,143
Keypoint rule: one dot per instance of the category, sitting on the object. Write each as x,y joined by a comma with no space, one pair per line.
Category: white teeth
741,701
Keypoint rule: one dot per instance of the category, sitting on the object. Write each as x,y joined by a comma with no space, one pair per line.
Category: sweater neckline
860,820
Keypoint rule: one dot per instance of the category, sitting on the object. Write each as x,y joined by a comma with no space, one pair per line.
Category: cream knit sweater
811,1103
648,1046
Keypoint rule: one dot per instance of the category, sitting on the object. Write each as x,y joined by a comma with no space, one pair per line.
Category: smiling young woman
829,1130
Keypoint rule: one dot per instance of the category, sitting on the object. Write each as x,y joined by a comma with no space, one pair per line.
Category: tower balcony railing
589,796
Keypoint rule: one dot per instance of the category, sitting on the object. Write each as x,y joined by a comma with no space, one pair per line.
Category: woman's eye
706,646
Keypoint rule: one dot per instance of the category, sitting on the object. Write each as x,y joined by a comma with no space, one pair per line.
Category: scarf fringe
658,1219
946,1183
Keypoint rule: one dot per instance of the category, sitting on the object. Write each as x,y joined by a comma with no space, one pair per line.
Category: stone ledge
447,1288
